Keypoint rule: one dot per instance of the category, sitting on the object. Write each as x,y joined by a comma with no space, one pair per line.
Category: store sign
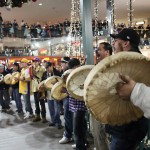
43,51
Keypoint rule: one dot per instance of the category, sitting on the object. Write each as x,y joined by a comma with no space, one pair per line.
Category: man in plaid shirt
78,109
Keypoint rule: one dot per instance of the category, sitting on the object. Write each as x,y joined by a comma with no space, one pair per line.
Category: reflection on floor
19,134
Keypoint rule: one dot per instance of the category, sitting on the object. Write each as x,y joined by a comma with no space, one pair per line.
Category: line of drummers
46,82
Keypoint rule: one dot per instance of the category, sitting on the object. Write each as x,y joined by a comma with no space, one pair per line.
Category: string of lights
131,10
96,22
75,29
113,16
96,18
69,45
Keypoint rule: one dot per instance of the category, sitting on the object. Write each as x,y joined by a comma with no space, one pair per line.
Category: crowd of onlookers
37,30
16,52
141,29
13,29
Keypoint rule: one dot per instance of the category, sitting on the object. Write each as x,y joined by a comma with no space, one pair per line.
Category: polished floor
19,134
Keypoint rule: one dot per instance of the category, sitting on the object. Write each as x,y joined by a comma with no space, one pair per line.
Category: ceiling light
40,4
140,23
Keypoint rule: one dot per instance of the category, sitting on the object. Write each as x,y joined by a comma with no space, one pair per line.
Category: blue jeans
27,101
17,98
54,110
122,144
38,101
68,117
128,136
4,99
80,129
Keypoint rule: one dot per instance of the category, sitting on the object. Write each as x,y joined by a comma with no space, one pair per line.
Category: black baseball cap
48,64
73,62
65,59
16,64
128,34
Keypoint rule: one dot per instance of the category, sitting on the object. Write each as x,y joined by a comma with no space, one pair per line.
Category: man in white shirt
138,93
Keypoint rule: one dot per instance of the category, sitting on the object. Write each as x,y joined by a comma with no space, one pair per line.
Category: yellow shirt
23,85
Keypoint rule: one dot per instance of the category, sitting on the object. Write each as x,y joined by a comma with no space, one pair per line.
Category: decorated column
110,16
96,23
74,36
87,36
130,14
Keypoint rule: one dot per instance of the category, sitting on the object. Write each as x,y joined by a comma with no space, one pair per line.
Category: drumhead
8,79
15,75
99,91
57,91
49,82
75,81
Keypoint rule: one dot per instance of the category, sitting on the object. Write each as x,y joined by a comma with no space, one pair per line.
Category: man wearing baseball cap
53,105
15,88
65,59
64,63
67,135
25,89
127,136
4,94
38,71
126,40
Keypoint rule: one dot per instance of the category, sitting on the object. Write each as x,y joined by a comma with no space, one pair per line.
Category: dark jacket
16,86
4,86
54,73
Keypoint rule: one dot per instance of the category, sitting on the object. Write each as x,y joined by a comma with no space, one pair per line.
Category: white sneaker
28,115
74,146
65,140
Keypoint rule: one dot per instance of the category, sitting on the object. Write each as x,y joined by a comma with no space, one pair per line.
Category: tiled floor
19,134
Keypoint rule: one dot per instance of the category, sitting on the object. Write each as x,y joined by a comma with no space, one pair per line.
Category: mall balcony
20,45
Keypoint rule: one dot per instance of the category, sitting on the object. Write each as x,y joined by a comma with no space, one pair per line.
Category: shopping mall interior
53,29
36,28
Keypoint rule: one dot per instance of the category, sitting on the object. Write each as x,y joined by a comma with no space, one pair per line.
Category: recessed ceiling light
40,4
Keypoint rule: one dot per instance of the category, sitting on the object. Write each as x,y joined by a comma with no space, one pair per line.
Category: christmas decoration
96,23
74,35
113,14
13,3
130,14
96,18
